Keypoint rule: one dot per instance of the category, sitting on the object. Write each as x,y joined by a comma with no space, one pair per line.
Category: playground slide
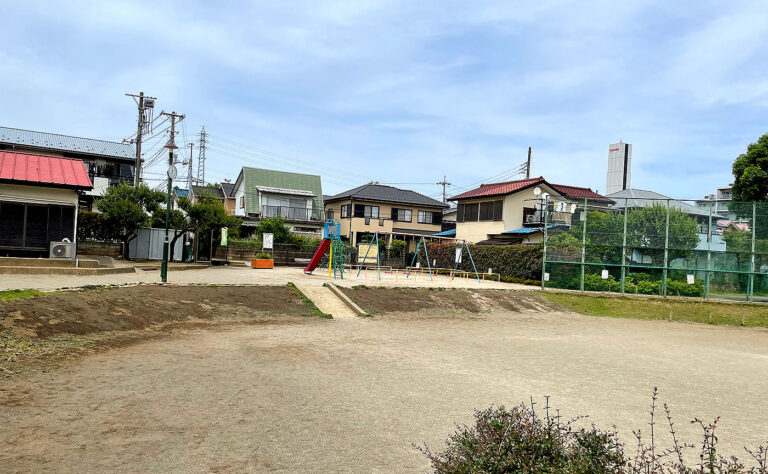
318,256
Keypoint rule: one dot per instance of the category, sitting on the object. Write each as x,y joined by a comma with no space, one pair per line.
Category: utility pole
528,166
189,169
171,175
201,159
144,102
443,183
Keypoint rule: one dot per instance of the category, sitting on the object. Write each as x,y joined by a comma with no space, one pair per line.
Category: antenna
201,159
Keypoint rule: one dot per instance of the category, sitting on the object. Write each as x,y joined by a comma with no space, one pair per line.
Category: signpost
267,242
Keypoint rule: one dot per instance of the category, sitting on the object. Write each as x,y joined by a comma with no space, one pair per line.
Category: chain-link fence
647,245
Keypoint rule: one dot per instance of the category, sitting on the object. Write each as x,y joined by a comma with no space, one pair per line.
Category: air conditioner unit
530,218
64,249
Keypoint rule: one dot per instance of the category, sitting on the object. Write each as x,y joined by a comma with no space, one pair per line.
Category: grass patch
706,312
13,295
13,349
315,310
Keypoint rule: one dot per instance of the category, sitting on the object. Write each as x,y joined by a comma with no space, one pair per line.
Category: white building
619,168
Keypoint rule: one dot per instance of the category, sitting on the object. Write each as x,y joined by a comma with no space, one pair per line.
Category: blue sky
404,91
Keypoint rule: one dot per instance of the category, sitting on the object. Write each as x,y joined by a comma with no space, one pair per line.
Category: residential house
39,198
296,197
511,212
108,163
228,190
392,212
215,191
719,203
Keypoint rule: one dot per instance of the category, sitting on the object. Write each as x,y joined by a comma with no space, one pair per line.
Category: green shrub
263,255
514,261
522,441
519,441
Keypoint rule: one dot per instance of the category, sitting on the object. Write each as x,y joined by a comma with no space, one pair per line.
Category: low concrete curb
345,299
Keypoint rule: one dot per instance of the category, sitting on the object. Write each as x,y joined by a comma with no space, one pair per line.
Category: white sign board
605,274
458,255
267,240
691,280
546,276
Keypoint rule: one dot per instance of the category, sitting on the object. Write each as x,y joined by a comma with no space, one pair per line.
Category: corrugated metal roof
24,168
645,198
446,233
181,193
380,192
56,142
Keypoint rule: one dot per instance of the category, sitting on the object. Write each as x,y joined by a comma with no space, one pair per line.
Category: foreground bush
521,441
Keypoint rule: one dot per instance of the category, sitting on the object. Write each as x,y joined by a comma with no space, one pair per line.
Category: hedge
513,262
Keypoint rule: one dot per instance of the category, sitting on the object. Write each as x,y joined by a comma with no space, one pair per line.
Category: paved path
241,276
327,302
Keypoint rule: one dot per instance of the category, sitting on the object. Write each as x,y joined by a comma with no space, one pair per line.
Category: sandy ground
242,276
352,395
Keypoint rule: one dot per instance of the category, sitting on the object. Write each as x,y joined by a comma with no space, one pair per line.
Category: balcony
287,213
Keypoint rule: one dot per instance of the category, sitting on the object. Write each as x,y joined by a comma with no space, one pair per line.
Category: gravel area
353,395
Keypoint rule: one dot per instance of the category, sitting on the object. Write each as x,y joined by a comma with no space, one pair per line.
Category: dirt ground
354,395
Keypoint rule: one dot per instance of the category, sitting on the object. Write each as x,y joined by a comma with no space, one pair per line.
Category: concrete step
63,271
327,301
171,268
36,262
87,263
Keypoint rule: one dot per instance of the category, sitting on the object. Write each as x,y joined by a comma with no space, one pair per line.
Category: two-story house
511,212
392,212
108,163
296,197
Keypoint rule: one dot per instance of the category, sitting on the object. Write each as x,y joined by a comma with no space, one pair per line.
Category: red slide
318,255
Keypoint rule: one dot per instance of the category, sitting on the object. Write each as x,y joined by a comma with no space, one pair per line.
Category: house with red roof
39,201
511,212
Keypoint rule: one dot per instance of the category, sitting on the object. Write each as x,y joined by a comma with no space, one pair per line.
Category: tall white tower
619,167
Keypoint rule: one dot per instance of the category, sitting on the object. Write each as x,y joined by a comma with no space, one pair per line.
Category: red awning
25,168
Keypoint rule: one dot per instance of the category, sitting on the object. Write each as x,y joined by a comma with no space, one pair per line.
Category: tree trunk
176,236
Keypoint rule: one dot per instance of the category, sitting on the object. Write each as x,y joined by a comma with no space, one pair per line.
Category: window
429,217
242,202
345,210
329,214
491,210
467,212
371,212
401,215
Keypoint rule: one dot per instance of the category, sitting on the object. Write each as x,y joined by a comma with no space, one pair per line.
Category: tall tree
125,209
208,213
750,183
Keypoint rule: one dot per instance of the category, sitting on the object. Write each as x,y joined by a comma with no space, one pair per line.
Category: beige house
392,212
511,212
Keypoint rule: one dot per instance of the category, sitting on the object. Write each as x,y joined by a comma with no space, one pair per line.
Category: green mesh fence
697,249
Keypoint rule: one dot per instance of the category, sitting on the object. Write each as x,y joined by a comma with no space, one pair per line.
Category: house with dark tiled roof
392,212
511,211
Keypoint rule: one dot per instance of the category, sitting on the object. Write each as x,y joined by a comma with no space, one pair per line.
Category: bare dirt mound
40,331
137,307
433,300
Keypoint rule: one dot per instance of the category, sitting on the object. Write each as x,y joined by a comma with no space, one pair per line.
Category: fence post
666,254
583,246
544,251
751,284
709,254
624,248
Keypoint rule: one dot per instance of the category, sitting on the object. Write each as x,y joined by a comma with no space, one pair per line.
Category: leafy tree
208,213
276,226
124,209
750,172
646,229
